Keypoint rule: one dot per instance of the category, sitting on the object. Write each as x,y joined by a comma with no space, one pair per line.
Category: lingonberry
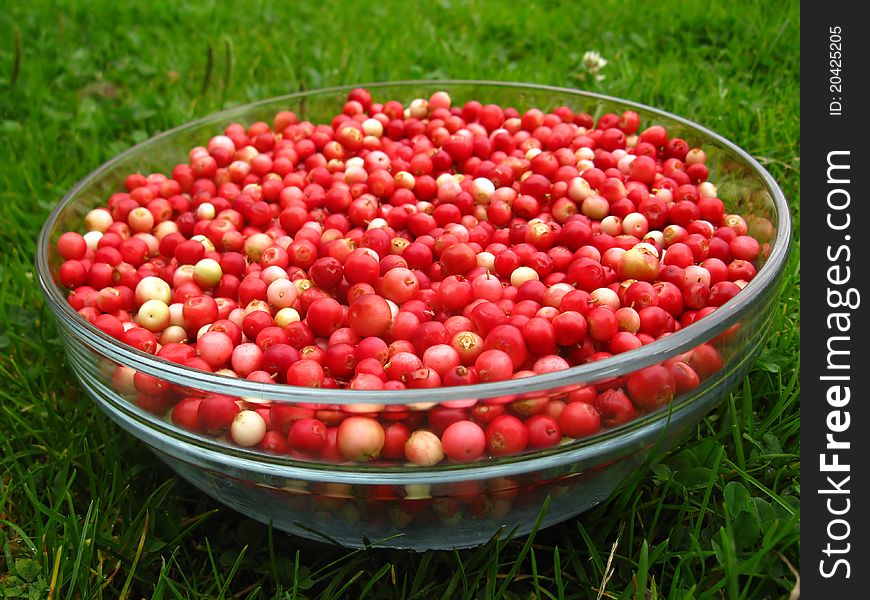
324,316
215,348
506,434
587,274
602,323
305,372
705,360
614,407
369,315
579,419
624,341
685,377
277,359
396,434
140,339
651,387
463,441
360,439
186,413
307,435
493,365
544,431
216,412
423,448
247,428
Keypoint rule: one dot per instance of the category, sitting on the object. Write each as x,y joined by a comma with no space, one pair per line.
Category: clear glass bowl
448,505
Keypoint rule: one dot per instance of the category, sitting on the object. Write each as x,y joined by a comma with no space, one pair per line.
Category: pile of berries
404,247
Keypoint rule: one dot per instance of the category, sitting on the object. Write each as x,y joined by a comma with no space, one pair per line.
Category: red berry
614,407
369,315
506,435
579,419
307,435
544,431
216,412
651,387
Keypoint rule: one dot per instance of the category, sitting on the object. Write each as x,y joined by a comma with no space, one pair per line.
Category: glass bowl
447,505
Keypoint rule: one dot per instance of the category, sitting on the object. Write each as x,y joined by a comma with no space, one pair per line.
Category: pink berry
215,348
463,441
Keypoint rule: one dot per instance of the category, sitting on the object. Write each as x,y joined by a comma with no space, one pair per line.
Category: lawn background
86,511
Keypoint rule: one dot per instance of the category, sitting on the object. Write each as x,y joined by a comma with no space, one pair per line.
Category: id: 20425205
835,65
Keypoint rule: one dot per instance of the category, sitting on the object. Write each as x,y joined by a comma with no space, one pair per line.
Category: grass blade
16,57
525,550
129,581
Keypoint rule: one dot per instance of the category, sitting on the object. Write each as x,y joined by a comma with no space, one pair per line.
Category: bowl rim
721,319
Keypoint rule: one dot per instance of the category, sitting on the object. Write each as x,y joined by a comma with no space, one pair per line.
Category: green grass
87,511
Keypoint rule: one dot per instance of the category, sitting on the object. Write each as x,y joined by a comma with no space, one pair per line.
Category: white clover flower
594,61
